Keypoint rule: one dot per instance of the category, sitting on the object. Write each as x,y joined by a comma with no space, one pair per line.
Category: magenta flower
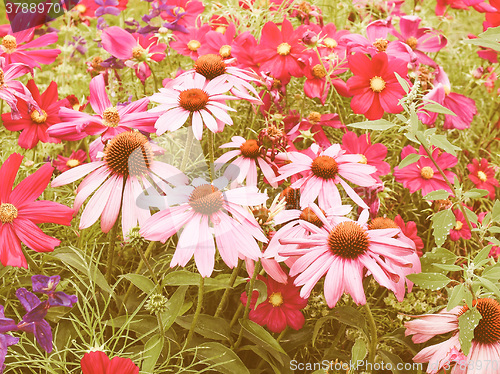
189,44
242,49
20,213
322,172
75,159
219,43
97,362
16,48
203,210
483,176
423,174
108,120
312,124
183,13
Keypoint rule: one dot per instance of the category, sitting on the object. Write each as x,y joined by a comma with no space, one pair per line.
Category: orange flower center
206,199
193,99
314,117
276,299
381,44
210,66
2,81
111,117
459,225
330,42
363,159
221,29
488,329
96,63
8,213
193,45
292,197
284,49
311,217
427,172
138,52
382,223
325,167
250,149
72,163
318,71
225,51
377,84
9,43
38,118
482,176
348,240
412,42
129,153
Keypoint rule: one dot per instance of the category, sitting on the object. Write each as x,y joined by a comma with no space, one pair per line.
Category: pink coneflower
97,362
483,176
118,181
485,346
193,95
75,159
203,211
15,48
423,174
20,213
248,155
280,309
189,44
461,229
342,250
374,85
322,172
108,121
33,124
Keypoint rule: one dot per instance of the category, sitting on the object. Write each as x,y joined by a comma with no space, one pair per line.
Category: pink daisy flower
34,124
16,48
242,49
219,42
184,12
280,309
20,213
203,210
374,85
108,121
75,159
248,155
193,96
322,172
343,250
423,174
483,176
188,44
485,346
461,229
118,181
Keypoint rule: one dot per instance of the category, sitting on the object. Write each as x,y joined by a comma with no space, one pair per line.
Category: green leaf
495,211
437,195
482,255
484,43
421,138
392,359
261,288
403,83
442,223
140,281
467,322
186,278
223,358
317,327
379,124
410,159
492,272
174,307
359,350
494,229
493,33
456,297
437,255
429,281
448,267
468,298
475,193
441,141
261,337
349,316
471,215
490,286
210,327
152,351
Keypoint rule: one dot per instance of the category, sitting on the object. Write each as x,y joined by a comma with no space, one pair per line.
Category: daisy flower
187,44
342,250
323,171
195,97
423,174
75,159
461,229
98,362
483,176
205,210
280,309
313,124
33,123
117,181
248,155
20,213
485,346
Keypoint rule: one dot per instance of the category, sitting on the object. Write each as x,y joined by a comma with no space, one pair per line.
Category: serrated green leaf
379,124
456,297
442,223
441,141
475,193
359,350
174,307
437,195
210,327
467,322
429,281
410,159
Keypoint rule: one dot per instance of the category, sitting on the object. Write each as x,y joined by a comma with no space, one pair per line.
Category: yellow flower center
276,299
381,44
138,52
482,176
72,163
37,117
427,172
447,90
284,49
225,51
8,213
193,45
221,29
9,43
377,84
178,10
314,117
81,8
330,42
318,71
459,225
111,117
412,42
363,159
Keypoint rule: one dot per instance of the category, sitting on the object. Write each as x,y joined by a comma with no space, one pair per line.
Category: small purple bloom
47,285
5,342
107,7
6,324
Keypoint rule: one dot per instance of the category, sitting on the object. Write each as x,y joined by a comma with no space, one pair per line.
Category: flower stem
201,290
111,252
189,144
373,334
225,296
145,260
211,154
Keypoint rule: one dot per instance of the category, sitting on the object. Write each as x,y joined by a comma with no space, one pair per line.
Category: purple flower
47,285
6,324
107,7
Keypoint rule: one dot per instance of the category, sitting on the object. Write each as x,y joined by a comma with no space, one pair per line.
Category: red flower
65,163
188,44
99,363
20,213
410,231
483,176
34,124
280,309
461,229
374,84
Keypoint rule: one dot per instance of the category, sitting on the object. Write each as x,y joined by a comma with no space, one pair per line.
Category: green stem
211,154
145,261
373,334
111,252
225,296
201,290
236,315
154,78
31,263
189,144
